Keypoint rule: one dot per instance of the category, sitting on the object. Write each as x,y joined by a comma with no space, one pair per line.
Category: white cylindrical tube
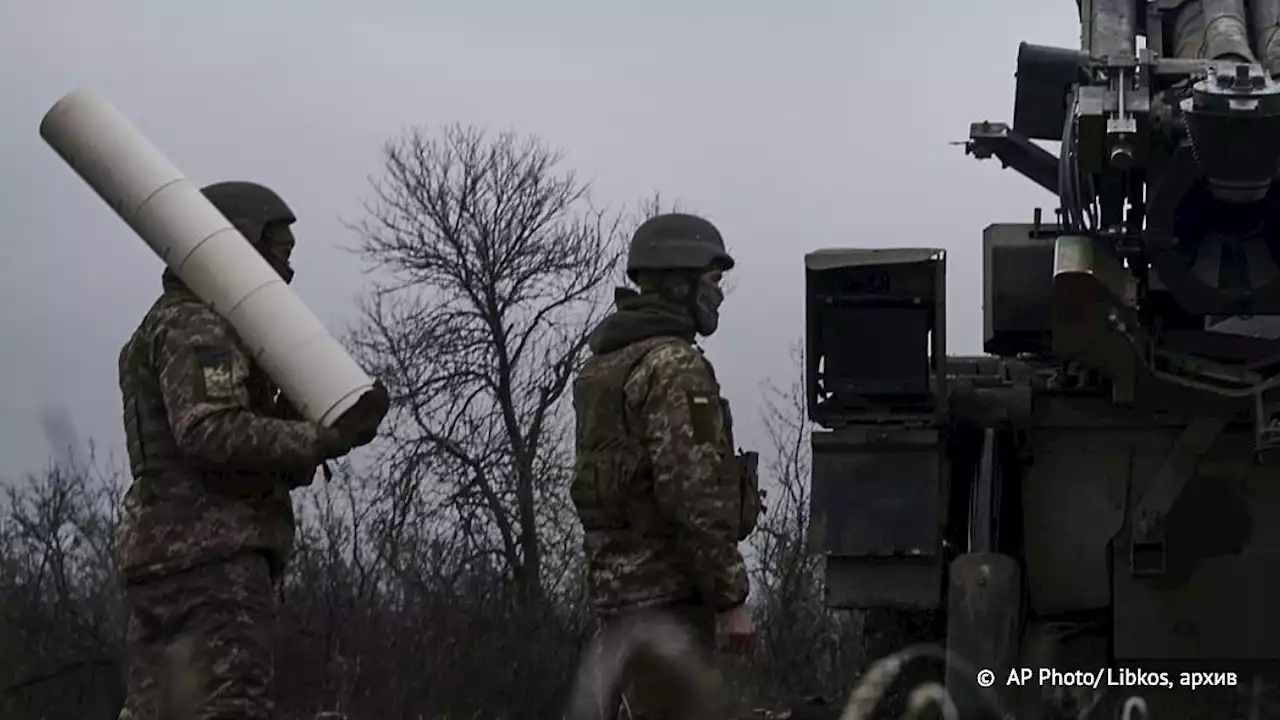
207,252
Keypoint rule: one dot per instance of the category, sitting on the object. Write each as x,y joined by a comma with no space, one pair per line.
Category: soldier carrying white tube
214,449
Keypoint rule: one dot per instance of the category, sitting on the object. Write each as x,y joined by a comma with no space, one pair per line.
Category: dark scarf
640,316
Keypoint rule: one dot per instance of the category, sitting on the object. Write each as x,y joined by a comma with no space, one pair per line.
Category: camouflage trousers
656,686
200,643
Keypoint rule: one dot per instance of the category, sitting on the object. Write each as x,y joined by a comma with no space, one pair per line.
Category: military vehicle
1094,491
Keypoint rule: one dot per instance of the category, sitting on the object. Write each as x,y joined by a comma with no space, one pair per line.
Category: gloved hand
358,426
363,419
300,479
735,630
335,442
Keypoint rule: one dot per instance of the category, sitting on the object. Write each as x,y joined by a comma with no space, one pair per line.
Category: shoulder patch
704,416
216,374
702,397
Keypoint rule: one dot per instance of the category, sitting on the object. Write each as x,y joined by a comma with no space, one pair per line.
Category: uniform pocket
750,499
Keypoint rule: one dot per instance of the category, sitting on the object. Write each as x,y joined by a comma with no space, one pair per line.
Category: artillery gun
1094,491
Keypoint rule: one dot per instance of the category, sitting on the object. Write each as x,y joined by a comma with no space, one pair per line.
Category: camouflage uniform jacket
662,498
212,451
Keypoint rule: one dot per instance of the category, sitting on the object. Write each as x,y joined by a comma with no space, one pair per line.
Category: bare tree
499,262
653,205
805,649
785,563
61,620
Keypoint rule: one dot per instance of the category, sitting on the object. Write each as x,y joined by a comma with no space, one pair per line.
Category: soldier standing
214,450
662,496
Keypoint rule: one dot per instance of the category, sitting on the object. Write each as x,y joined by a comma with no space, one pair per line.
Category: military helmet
676,241
249,206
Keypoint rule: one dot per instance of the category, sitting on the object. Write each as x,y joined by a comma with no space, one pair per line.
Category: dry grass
663,637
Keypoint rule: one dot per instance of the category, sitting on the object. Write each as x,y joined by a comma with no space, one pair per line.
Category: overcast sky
793,126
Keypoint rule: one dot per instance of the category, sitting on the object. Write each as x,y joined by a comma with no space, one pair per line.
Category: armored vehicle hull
1097,492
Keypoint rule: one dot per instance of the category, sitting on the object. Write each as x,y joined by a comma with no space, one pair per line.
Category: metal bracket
1154,30
1146,542
1014,150
984,498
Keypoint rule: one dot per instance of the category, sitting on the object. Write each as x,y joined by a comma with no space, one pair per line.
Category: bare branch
498,264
